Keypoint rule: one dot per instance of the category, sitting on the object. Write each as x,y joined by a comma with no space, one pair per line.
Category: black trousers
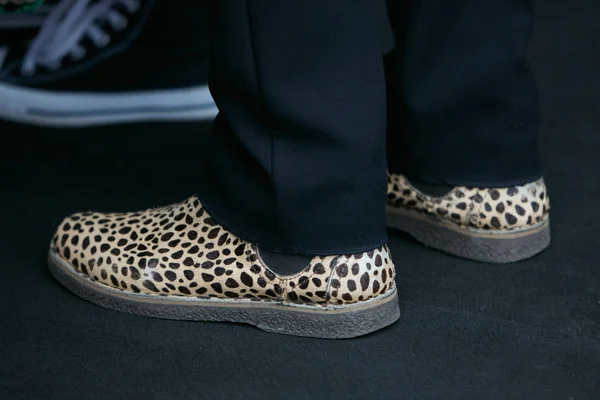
297,156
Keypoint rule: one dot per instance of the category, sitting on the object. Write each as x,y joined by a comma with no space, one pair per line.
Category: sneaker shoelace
67,25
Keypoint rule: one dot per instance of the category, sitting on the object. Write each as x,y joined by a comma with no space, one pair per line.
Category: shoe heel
497,248
340,323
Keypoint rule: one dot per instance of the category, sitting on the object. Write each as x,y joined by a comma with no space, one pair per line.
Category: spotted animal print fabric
180,250
511,208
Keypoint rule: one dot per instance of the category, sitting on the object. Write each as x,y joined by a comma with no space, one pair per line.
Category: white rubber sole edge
81,109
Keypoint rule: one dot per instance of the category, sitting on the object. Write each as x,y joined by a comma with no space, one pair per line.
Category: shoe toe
74,240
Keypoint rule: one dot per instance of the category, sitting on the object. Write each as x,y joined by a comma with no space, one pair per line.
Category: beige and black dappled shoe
177,262
499,225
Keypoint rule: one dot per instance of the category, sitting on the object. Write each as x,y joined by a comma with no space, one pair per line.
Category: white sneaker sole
80,109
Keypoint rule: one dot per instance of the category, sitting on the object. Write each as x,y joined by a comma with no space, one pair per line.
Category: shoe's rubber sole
70,109
331,322
491,247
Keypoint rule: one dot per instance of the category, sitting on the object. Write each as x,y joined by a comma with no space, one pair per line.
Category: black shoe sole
492,247
331,322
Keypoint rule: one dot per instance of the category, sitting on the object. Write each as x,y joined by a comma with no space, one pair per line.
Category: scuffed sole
333,322
498,247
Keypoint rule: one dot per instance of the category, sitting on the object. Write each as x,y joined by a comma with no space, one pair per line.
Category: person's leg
296,161
471,99
460,79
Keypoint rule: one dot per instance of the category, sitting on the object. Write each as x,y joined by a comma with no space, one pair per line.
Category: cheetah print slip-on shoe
499,225
177,262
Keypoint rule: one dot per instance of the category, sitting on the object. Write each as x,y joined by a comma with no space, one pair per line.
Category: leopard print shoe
177,262
493,225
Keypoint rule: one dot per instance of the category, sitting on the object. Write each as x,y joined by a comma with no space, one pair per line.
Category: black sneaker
23,25
109,61
30,15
